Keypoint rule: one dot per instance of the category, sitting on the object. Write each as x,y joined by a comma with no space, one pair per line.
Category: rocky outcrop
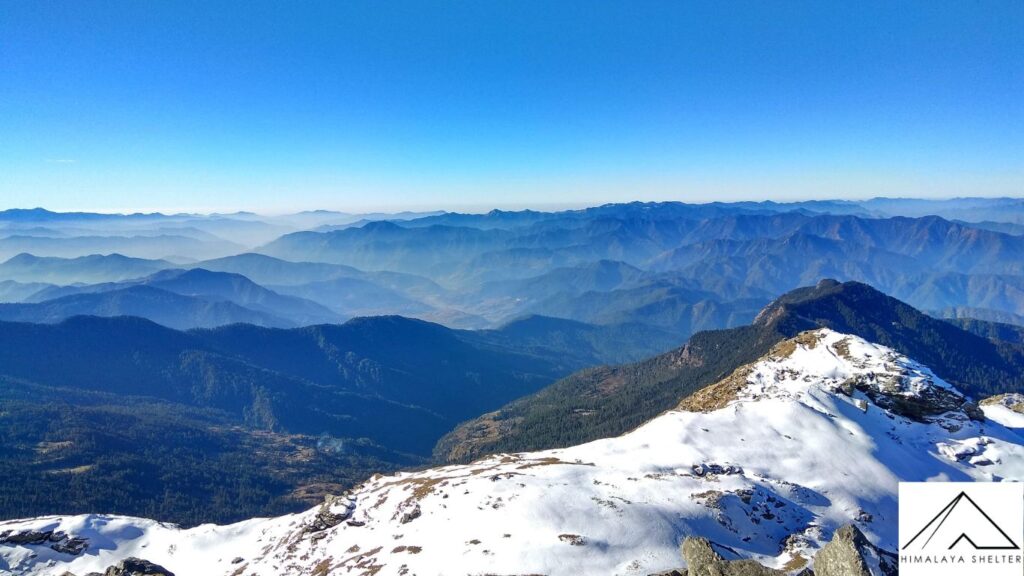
851,554
924,406
848,554
55,539
410,514
1013,400
702,560
73,545
137,567
334,511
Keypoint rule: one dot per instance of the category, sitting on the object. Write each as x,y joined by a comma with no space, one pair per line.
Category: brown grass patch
408,549
998,400
551,461
795,563
842,348
718,395
322,568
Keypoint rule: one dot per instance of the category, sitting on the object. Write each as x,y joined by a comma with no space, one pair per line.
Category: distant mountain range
167,308
513,262
141,246
343,289
12,291
212,231
83,269
670,266
183,299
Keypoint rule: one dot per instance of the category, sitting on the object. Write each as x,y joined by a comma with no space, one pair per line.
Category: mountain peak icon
963,521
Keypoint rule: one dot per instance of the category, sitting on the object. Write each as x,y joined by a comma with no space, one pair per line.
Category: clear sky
212,105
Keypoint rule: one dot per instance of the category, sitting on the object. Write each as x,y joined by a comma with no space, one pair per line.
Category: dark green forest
70,452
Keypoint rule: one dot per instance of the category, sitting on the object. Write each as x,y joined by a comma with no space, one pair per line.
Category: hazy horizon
484,208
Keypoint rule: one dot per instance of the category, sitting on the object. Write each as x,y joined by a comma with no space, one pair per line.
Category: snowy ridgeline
770,463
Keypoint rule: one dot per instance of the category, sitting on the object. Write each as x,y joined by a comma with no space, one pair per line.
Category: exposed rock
72,546
851,554
411,514
679,572
1013,400
848,554
26,537
573,539
334,511
704,469
974,411
137,567
57,540
702,560
886,390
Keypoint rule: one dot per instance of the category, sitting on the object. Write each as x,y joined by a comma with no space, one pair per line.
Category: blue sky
392,105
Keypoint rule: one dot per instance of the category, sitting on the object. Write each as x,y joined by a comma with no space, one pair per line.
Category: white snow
1002,413
791,455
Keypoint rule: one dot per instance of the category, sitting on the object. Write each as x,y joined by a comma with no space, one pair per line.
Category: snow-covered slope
769,462
1007,409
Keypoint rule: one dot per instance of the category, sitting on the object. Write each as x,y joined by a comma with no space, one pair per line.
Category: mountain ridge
319,408
607,401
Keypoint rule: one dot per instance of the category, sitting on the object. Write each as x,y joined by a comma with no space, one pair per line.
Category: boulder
137,567
702,560
334,511
70,545
57,540
851,554
410,514
26,537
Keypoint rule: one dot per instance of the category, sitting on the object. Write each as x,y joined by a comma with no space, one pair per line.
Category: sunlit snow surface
771,475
